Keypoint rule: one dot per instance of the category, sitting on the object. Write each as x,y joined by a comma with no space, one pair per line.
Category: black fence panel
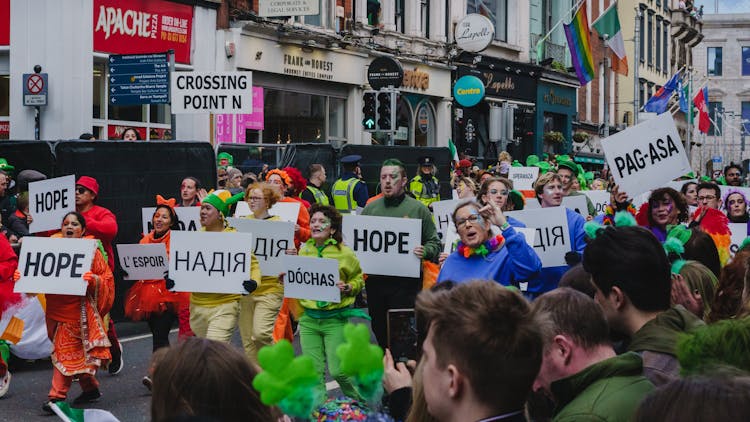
251,157
29,155
302,156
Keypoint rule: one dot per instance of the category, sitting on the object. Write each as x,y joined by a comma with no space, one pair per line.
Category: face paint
480,219
549,190
325,224
395,176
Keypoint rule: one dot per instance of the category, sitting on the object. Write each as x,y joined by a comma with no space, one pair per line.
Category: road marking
142,336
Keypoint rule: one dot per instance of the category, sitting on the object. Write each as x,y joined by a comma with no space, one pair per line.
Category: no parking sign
35,89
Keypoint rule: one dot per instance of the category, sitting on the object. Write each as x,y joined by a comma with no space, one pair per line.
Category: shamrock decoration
361,360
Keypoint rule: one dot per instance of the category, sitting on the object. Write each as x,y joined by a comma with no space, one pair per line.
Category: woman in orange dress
150,300
74,324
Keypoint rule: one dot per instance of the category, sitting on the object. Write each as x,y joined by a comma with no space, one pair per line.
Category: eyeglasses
501,192
256,198
707,198
81,190
473,219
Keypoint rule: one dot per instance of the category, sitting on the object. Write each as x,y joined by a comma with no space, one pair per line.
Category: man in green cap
7,199
568,170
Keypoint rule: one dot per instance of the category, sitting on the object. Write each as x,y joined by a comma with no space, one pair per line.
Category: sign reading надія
212,92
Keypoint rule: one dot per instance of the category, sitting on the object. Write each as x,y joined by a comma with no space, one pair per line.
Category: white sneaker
5,384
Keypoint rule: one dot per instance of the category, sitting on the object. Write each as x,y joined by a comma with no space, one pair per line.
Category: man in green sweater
580,371
389,292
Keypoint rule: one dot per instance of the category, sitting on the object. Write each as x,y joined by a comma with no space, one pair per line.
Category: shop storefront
556,109
509,84
76,59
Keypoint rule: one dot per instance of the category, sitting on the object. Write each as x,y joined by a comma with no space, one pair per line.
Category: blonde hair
270,193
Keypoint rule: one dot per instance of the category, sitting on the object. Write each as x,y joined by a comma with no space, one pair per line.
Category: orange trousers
61,384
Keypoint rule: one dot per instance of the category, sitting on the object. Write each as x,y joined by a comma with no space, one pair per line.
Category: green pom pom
361,360
744,243
673,245
592,229
677,266
625,219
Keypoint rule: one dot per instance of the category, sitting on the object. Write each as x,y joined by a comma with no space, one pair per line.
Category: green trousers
319,339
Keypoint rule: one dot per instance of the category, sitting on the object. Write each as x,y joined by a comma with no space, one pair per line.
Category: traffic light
387,111
369,111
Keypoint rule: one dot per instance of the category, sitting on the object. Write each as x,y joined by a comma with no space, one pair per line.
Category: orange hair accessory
281,173
171,202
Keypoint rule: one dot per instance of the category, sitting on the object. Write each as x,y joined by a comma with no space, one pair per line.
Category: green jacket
656,341
349,272
410,208
610,390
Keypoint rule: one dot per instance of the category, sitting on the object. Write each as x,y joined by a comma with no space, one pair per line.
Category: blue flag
682,92
658,103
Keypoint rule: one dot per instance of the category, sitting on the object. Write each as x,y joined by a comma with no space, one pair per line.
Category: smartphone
402,334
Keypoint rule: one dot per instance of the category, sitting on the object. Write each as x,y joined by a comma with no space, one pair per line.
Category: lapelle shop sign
143,26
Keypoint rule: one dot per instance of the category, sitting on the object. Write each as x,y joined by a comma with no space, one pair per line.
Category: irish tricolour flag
608,24
69,414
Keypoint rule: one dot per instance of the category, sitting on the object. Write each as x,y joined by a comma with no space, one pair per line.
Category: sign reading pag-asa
646,156
384,245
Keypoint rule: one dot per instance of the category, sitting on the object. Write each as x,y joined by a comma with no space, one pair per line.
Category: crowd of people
647,318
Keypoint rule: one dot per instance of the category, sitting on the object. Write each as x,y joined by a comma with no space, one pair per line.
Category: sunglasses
81,190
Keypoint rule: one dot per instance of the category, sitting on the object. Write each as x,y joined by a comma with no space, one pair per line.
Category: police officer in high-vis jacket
313,192
425,186
349,192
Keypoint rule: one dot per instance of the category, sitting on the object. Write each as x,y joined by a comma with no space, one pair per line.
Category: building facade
723,57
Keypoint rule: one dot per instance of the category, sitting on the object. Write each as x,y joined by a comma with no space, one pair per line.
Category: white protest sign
311,278
576,203
450,240
523,178
242,209
143,261
210,262
646,156
678,184
739,234
529,234
190,218
211,92
600,199
49,201
54,265
287,211
384,245
442,211
272,239
552,240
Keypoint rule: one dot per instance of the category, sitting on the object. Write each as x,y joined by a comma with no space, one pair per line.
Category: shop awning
588,159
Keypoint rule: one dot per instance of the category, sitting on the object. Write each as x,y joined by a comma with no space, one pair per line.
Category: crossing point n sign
35,89
212,92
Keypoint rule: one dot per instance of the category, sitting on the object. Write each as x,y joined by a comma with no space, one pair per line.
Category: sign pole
172,120
37,118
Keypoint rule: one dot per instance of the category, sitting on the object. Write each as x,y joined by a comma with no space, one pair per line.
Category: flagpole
606,90
636,64
547,35
689,116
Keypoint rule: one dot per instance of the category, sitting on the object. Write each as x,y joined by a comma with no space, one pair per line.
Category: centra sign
468,91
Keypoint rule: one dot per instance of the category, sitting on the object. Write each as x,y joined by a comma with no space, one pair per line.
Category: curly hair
269,192
728,298
332,214
299,183
679,202
281,173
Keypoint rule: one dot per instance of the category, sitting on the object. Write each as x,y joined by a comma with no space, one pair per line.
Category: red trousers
61,384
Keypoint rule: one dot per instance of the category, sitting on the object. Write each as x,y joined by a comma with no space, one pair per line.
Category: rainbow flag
577,32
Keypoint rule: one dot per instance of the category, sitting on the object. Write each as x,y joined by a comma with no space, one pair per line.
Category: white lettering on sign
211,92
113,20
143,261
49,201
523,177
646,156
384,245
54,265
311,278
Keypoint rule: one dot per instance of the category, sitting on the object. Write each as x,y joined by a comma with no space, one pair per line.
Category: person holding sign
496,191
258,311
568,172
75,325
214,315
735,205
549,192
149,300
389,292
505,258
281,180
321,326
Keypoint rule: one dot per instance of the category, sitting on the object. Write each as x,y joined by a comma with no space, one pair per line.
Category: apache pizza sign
143,26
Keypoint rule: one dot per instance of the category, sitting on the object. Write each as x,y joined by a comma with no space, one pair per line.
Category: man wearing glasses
733,175
709,195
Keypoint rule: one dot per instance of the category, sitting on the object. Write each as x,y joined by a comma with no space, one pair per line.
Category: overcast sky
725,6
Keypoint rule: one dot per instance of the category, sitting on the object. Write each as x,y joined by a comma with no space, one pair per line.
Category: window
150,121
641,94
650,39
400,16
714,61
665,41
745,118
642,37
496,10
373,12
714,112
745,61
292,117
424,12
326,17
658,43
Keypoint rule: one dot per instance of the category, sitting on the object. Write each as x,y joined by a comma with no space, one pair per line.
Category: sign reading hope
646,156
384,245
54,265
311,278
210,262
552,239
49,201
523,178
272,239
190,219
143,261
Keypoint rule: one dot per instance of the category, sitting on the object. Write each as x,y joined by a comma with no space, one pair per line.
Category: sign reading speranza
190,219
523,178
209,262
143,261
212,92
384,245
272,239
311,278
49,201
54,265
552,240
646,156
